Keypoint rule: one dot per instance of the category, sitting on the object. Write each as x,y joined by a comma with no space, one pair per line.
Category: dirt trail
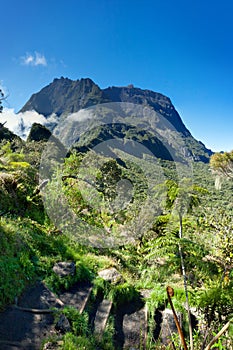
22,330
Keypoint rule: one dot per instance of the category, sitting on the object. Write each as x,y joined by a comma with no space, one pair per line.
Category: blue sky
182,48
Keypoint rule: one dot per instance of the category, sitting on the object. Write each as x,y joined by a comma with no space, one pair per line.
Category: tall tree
222,164
182,198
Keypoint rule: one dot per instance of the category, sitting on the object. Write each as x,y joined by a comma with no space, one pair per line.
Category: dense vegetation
148,204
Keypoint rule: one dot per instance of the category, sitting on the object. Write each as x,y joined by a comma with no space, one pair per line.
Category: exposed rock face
67,96
64,96
157,101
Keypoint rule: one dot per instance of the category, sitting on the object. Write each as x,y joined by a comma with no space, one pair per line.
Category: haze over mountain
65,97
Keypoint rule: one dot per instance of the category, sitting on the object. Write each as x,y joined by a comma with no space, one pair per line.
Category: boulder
63,324
168,326
111,275
64,269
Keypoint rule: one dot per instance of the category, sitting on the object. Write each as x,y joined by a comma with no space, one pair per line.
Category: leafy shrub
79,322
57,283
216,301
72,342
124,293
101,287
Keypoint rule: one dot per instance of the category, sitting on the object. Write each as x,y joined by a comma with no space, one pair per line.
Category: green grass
30,246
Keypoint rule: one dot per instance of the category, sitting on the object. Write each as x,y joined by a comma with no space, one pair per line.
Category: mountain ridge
64,96
46,101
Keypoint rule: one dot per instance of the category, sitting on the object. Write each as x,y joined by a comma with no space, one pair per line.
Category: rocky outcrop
65,96
39,132
160,103
168,326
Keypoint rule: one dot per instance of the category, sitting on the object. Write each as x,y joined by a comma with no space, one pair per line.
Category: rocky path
24,330
101,316
27,325
24,327
135,327
131,326
77,296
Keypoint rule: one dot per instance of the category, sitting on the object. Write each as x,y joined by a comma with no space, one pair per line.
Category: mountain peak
159,102
65,96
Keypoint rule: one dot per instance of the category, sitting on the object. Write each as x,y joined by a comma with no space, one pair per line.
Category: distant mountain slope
157,101
64,96
152,145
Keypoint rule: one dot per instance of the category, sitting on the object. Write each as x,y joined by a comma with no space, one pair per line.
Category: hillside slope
64,96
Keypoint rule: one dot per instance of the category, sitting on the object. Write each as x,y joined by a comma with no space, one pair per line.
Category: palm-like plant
222,164
181,199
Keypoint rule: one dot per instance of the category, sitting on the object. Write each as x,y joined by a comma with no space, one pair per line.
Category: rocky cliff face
155,100
67,96
64,96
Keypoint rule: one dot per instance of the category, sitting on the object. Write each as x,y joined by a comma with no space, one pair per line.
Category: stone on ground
102,315
111,275
64,269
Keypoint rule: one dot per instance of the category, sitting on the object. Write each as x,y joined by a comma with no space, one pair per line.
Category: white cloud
21,123
81,115
36,59
28,60
40,59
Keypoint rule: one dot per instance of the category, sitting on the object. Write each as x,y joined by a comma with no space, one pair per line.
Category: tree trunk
185,282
